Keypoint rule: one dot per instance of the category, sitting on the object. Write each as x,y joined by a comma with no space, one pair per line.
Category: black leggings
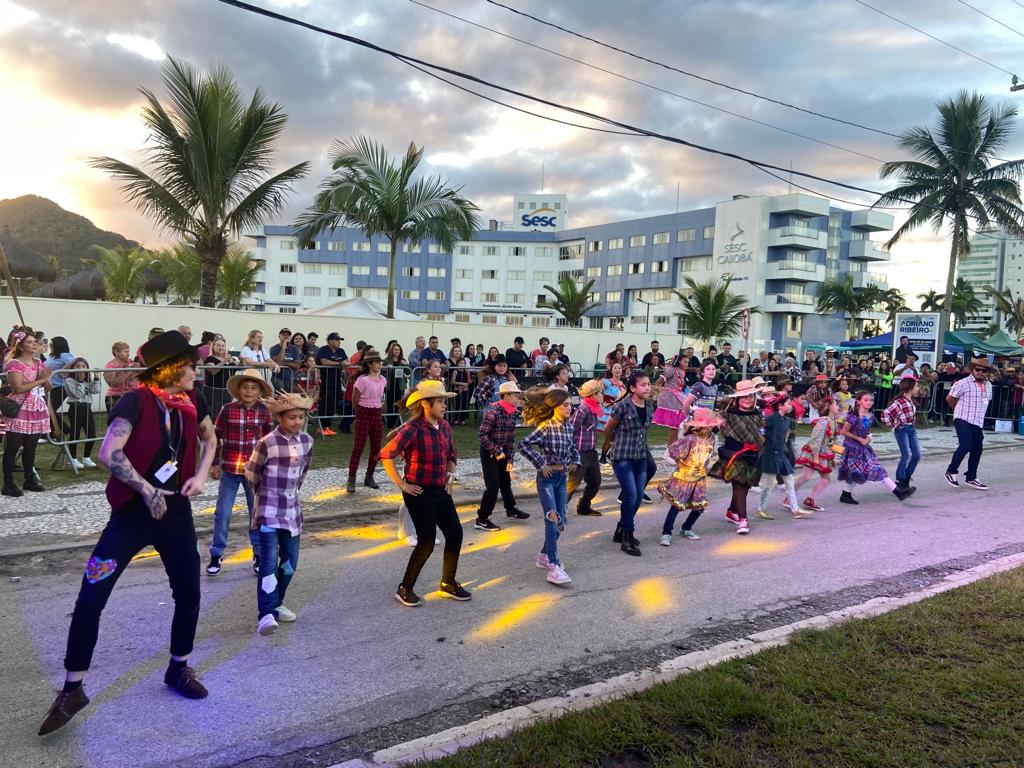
27,443
80,420
739,499
429,511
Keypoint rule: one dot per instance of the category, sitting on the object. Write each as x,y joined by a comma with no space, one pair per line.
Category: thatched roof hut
87,285
24,262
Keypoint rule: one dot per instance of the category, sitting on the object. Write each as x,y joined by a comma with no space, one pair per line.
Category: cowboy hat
509,388
980,362
373,357
427,390
164,347
703,418
289,401
590,387
249,374
745,388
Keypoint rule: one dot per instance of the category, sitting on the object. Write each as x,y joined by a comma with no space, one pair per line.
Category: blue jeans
553,498
279,557
632,477
910,451
226,494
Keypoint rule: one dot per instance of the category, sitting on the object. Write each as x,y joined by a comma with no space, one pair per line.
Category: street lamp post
648,324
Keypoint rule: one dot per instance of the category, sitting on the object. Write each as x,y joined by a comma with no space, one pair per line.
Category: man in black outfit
517,357
654,358
726,358
903,350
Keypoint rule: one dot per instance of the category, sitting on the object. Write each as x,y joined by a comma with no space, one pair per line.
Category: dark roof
23,261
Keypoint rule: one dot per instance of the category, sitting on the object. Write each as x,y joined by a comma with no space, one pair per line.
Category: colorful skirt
739,471
860,465
685,495
823,463
667,417
32,419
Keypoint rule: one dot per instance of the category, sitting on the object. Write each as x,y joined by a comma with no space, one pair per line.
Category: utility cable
990,17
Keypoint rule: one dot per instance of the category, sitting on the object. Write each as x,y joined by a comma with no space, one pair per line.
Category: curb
503,723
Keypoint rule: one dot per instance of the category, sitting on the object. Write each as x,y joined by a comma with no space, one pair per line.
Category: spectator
541,351
218,369
204,344
654,358
300,343
311,343
473,358
492,356
727,357
255,356
618,354
25,376
460,380
495,373
288,359
432,371
562,357
433,353
557,377
810,358
185,331
352,369
118,379
397,375
830,365
632,361
82,388
416,358
60,359
331,359
153,333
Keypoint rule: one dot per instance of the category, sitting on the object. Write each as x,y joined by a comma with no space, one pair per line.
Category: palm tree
956,176
893,301
931,301
123,270
237,277
1010,307
180,267
570,301
371,192
839,297
965,302
211,161
710,309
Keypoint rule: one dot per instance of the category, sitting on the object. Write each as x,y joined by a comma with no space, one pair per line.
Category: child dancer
587,420
687,488
737,458
774,458
551,449
275,472
368,403
816,455
239,425
80,389
497,447
899,417
860,465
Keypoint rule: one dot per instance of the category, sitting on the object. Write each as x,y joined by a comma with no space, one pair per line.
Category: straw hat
427,390
590,387
289,401
249,374
980,362
509,388
703,418
746,388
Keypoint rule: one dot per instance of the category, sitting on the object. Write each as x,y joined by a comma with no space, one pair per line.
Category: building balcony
804,205
867,249
867,279
790,302
872,221
802,271
800,238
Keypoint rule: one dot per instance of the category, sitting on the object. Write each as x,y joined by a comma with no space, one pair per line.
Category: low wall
92,326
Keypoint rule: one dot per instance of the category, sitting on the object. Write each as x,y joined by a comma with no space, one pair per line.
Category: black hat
335,335
163,347
519,340
456,340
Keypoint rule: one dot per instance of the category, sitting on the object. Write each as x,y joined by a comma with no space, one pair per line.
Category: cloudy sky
69,75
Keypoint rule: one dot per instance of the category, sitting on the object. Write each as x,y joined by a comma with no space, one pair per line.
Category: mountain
44,227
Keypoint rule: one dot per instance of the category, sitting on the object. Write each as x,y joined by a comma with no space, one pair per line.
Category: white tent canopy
360,308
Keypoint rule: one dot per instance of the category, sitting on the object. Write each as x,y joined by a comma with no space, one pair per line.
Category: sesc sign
538,218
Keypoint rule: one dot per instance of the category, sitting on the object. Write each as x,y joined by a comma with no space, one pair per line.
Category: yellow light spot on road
501,538
590,535
328,494
379,532
380,549
241,556
492,583
651,597
748,546
519,613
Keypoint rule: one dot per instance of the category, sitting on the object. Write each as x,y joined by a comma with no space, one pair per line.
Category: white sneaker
88,463
267,625
666,540
285,614
411,541
542,561
77,464
557,575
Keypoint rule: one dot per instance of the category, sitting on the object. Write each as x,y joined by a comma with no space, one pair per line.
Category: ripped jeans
279,557
551,491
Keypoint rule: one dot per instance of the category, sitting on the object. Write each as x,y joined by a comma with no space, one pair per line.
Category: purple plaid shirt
550,443
275,472
498,431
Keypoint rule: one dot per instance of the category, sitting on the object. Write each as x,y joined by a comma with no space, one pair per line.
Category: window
557,206
286,310
337,269
690,265
287,290
514,298
616,323
661,295
412,247
360,269
260,264
467,250
287,245
561,322
311,291
288,268
410,294
662,319
566,252
660,238
382,271
437,272
637,241
533,206
490,250
357,293
709,233
594,246
433,317
794,326
513,319
489,274
464,274
595,323
686,235
540,322
334,245
489,319
361,247
614,270
637,319
435,295
594,296
515,274
541,276
593,271
572,274
489,298
517,250
312,269
383,247
521,205
433,248
464,296
542,251
614,243
613,296
636,268
462,318
659,266
338,293
409,271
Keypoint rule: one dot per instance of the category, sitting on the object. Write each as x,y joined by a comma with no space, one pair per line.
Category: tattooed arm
112,457
208,449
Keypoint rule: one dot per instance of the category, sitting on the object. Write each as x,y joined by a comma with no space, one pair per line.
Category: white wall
91,327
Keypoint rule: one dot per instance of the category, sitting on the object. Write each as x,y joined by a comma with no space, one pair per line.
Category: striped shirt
427,450
630,436
550,443
972,399
275,472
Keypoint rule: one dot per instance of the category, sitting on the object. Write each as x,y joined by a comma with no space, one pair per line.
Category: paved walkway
358,672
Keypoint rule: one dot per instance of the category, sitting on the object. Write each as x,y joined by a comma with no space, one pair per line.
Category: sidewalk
74,515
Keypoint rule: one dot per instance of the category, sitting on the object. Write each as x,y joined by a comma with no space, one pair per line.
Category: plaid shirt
584,428
275,472
238,429
971,400
550,443
427,450
900,413
486,389
630,436
498,431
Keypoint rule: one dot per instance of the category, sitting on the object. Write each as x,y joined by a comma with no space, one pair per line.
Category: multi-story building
777,251
996,259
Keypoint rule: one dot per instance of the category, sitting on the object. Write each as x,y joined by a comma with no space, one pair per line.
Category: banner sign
922,332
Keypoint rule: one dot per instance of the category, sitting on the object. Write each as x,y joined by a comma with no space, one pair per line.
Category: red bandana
178,401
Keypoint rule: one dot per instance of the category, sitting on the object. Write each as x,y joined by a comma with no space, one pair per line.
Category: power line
694,75
990,18
933,37
645,84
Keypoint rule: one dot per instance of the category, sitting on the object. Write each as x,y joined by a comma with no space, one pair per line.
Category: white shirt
972,399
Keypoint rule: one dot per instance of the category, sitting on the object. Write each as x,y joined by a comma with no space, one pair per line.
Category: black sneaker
647,499
485,525
32,484
847,498
67,705
587,512
184,681
900,493
256,564
631,547
406,596
11,489
517,514
976,485
369,482
455,591
951,479
214,567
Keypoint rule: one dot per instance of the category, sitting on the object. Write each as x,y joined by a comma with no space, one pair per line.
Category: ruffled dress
669,412
816,453
741,432
860,465
686,489
33,418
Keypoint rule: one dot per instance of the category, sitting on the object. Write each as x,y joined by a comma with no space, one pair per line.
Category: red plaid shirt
427,450
238,430
900,413
498,430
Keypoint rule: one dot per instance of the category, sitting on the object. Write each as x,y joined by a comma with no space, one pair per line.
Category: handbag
9,407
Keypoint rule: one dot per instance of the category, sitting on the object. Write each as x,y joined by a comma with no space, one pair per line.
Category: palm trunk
947,300
210,257
391,278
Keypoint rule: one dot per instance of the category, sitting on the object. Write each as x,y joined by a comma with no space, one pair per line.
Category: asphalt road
357,671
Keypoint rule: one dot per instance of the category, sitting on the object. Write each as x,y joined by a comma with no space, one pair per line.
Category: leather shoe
67,705
617,536
369,482
631,547
185,682
32,484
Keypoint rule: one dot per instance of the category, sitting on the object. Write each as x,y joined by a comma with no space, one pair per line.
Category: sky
70,74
